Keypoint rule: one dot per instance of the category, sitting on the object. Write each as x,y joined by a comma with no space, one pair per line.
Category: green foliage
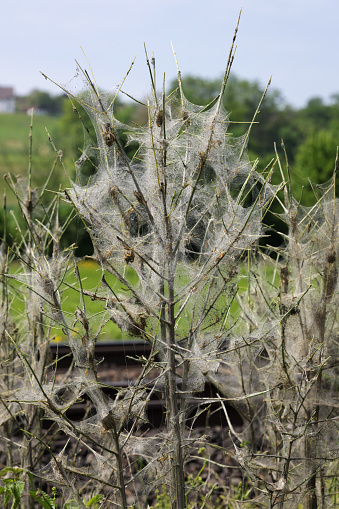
13,486
41,100
72,131
94,501
10,224
195,485
243,490
317,115
315,159
48,502
241,99
44,499
12,490
163,499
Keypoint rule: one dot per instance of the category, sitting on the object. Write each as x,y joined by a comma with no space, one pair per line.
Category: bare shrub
186,213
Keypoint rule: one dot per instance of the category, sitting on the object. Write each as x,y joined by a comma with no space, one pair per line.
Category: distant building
7,100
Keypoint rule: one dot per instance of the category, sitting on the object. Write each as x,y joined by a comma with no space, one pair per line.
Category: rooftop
6,93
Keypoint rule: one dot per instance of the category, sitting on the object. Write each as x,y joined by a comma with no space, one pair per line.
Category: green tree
72,132
51,104
315,158
73,142
241,100
316,114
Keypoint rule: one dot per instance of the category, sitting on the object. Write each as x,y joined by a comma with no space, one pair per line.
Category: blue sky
297,41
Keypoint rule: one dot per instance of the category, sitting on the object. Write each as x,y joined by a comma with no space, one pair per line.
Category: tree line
310,133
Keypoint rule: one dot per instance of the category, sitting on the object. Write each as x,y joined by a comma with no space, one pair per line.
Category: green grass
90,274
14,148
14,140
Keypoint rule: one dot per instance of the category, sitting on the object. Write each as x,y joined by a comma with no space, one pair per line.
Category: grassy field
14,141
14,148
90,274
